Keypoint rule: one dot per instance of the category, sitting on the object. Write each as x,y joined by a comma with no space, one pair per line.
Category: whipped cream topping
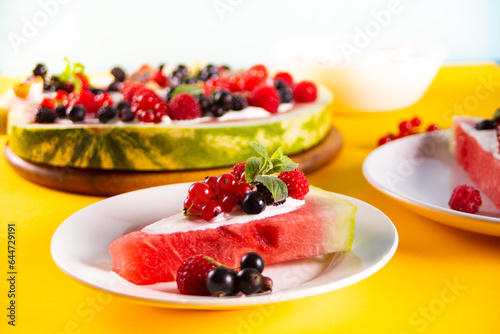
181,223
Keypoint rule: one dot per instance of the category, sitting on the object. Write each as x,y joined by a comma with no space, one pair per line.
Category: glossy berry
238,170
252,260
40,70
106,114
242,189
159,78
184,106
286,95
211,210
86,99
118,73
208,72
200,193
258,70
147,100
221,281
191,208
248,281
296,183
77,113
265,97
249,82
416,122
126,114
45,115
226,183
267,284
305,91
192,276
122,104
60,111
487,124
229,202
385,139
48,102
285,77
432,127
211,181
253,203
405,128
239,102
115,86
466,199
204,103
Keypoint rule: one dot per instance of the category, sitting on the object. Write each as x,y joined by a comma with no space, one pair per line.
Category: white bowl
386,74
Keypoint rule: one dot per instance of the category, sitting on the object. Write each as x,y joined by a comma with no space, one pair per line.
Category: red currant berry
405,128
147,100
200,193
242,189
61,95
432,127
48,102
226,183
384,140
211,210
212,182
158,116
229,202
190,207
416,121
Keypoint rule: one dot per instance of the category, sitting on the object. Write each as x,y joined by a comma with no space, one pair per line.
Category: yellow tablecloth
441,279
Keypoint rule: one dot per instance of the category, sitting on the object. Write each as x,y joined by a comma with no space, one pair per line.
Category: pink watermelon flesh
481,165
324,224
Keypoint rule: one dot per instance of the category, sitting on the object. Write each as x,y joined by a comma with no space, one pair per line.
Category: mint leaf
277,187
192,90
259,148
278,154
252,168
288,164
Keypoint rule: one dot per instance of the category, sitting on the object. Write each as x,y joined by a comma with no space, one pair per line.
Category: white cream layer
181,223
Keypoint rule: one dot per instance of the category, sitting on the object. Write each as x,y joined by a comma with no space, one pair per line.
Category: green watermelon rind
179,146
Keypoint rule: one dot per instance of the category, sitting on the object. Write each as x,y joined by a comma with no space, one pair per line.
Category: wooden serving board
110,182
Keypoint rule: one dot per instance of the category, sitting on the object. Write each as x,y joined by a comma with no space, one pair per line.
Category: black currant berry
248,281
239,102
45,115
122,104
61,111
253,203
77,113
105,114
221,282
126,114
487,124
252,260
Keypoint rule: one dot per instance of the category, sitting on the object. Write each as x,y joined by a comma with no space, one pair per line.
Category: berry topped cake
475,144
163,119
265,205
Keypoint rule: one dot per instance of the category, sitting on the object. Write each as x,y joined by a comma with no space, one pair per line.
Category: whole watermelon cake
265,206
163,119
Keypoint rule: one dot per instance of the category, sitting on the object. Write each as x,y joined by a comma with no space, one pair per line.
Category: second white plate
420,172
80,248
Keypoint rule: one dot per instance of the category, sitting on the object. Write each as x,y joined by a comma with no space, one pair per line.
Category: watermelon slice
478,154
322,224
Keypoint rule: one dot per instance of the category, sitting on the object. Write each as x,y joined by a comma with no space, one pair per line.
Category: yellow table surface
441,279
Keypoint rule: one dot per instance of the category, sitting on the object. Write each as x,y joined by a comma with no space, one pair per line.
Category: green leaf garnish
277,187
259,170
192,90
70,74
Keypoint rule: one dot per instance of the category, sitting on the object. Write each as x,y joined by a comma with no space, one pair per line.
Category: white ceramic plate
80,248
421,173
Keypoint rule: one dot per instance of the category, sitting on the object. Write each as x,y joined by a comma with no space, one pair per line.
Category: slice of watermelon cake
276,215
474,144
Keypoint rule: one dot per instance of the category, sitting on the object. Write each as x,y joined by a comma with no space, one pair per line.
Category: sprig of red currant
407,128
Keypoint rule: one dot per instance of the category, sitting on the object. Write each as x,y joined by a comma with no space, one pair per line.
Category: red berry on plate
405,128
296,182
416,122
226,183
465,198
184,106
48,103
284,76
266,97
432,127
211,210
192,276
200,193
238,170
305,91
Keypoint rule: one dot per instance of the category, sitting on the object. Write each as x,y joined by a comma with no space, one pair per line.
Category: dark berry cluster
201,275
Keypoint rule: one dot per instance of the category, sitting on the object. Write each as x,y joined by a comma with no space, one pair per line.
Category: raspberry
86,99
238,170
252,81
266,97
285,77
296,182
305,91
192,276
465,198
131,89
184,106
258,70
